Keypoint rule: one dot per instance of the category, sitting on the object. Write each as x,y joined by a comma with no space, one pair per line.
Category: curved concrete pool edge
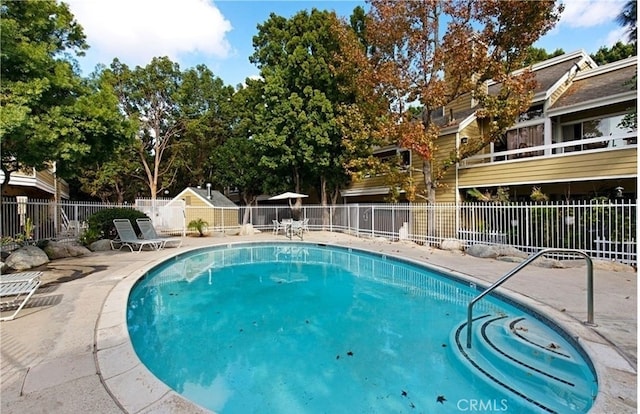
136,390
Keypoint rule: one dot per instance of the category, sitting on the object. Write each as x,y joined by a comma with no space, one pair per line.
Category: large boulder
102,245
58,250
26,258
484,251
506,250
451,244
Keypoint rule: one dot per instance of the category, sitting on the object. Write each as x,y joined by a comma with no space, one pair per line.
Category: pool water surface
306,328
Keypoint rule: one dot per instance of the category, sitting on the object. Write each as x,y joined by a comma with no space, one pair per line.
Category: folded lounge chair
149,233
20,287
128,237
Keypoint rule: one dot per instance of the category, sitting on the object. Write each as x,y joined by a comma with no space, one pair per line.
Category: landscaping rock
484,251
505,250
100,245
549,263
612,266
27,257
58,250
451,244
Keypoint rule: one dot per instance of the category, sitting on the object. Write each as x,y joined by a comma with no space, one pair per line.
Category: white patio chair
128,237
149,233
276,227
20,287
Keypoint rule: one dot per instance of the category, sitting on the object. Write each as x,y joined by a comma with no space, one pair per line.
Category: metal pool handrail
520,267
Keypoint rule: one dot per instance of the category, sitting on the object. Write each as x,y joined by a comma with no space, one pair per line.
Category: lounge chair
149,233
128,237
19,286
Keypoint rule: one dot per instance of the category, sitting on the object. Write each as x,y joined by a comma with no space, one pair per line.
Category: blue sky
219,33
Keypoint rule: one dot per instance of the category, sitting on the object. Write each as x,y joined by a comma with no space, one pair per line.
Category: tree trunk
249,201
323,202
296,182
430,198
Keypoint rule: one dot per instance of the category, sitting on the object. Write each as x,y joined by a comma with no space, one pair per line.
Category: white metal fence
605,230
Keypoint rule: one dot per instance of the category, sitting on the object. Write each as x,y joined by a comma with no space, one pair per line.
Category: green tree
617,52
535,55
298,136
205,105
49,114
111,180
149,98
235,164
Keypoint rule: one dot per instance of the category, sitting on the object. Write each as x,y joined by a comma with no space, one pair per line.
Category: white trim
191,192
609,67
554,61
594,103
459,126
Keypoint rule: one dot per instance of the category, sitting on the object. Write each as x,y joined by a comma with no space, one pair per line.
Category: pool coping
137,390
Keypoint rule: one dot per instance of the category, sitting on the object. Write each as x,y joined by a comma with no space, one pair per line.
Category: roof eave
594,103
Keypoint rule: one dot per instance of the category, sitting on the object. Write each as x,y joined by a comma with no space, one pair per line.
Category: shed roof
212,197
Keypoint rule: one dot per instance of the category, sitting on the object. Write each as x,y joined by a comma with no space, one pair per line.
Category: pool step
527,360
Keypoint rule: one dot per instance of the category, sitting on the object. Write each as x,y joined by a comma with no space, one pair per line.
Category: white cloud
617,35
589,13
137,30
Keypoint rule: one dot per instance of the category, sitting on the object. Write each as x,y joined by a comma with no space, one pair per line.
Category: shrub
89,236
199,225
101,222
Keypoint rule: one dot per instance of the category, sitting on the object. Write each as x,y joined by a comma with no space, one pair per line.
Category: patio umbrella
288,196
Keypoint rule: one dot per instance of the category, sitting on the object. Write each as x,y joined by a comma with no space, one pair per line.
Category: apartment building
572,143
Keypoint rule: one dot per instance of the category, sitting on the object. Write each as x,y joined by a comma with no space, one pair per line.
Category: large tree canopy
235,163
409,61
49,114
298,135
616,52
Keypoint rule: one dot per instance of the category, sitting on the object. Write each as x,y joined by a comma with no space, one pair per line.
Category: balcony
560,149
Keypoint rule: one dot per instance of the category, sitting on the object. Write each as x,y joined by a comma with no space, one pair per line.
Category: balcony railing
608,143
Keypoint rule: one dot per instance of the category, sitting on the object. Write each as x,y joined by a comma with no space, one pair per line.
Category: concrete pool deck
68,349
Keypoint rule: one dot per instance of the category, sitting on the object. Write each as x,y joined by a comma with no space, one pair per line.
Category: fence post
184,218
331,212
393,222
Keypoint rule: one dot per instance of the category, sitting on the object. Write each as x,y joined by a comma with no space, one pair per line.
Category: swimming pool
299,327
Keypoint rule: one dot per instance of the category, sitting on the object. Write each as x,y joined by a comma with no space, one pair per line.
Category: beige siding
463,103
445,193
46,177
197,208
369,182
596,165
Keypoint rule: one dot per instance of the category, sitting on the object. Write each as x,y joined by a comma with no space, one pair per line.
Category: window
535,112
403,157
609,127
525,137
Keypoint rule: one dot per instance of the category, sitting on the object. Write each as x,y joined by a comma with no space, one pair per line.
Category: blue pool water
305,328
